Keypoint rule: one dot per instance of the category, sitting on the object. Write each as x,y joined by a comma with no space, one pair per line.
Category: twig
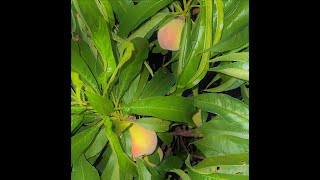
163,146
168,151
183,145
185,132
198,157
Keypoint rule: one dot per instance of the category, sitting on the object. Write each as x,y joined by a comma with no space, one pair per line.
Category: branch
183,145
198,157
185,132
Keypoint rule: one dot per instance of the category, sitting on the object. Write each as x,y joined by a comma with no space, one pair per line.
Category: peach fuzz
143,141
170,34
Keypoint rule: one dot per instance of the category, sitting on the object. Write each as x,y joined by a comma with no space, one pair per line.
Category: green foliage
101,104
121,76
146,9
83,170
98,143
79,66
154,124
172,108
133,66
75,121
159,85
81,141
142,170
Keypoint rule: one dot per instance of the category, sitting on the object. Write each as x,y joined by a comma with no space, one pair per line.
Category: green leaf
125,51
79,65
154,159
203,65
238,17
157,48
81,141
232,159
232,83
185,45
75,121
159,85
82,170
234,40
121,8
241,57
101,104
98,144
201,38
102,41
132,68
142,83
120,126
73,22
128,95
106,10
190,62
238,70
99,32
143,172
216,176
245,94
93,159
226,78
154,173
182,174
125,140
172,108
146,9
126,166
235,85
168,163
90,118
102,164
222,145
195,173
77,109
166,138
112,170
219,19
89,12
229,108
229,164
150,26
219,126
154,124
87,55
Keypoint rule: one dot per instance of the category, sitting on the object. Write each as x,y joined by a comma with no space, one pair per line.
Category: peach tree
159,89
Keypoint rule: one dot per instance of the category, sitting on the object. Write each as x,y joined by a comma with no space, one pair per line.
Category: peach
170,34
143,141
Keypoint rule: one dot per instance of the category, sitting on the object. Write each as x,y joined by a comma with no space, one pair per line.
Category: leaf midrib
170,109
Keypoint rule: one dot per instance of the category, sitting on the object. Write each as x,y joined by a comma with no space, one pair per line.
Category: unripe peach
170,34
143,141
